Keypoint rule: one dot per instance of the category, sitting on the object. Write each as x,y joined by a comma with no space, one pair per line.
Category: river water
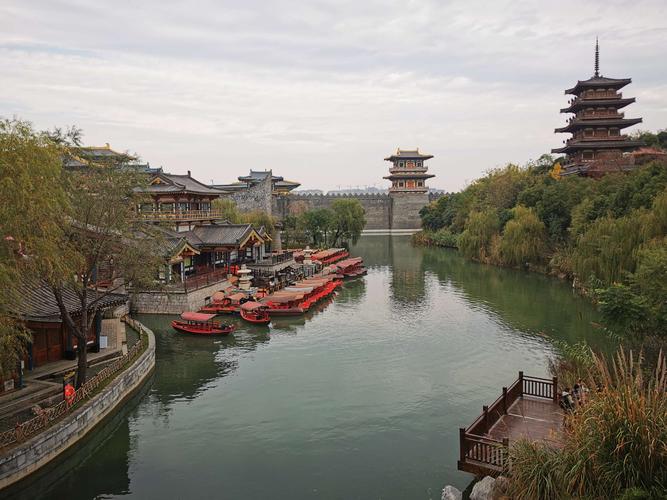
362,399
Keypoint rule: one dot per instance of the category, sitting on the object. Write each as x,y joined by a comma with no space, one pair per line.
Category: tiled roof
175,183
218,235
599,81
39,304
410,154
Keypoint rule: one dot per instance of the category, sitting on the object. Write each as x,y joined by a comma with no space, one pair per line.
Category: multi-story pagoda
597,145
408,172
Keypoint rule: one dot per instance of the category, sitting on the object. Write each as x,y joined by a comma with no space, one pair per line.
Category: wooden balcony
181,216
597,139
527,409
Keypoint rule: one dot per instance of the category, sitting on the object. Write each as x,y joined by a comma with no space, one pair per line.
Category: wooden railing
480,452
208,278
26,429
182,215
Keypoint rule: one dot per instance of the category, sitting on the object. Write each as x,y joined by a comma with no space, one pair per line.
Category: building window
614,132
166,207
400,184
589,132
183,207
401,164
410,164
588,155
420,183
419,164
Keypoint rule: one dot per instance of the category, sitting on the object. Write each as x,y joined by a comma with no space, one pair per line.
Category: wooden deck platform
528,409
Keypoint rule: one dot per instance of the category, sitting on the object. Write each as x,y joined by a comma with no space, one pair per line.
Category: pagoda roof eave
411,176
596,122
599,81
623,144
608,103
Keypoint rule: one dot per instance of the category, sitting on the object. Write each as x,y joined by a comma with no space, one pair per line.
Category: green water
361,399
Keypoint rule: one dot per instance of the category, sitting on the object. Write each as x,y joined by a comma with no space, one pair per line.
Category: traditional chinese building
408,172
179,200
598,144
279,185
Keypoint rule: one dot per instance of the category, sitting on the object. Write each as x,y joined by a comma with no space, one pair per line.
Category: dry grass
615,442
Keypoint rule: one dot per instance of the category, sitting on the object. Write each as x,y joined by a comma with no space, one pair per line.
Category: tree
317,224
481,227
99,232
228,209
348,220
260,219
32,204
523,238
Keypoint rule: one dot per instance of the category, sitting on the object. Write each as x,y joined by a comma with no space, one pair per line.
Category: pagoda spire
597,58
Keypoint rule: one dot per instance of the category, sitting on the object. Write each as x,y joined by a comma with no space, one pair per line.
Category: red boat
351,268
229,304
282,304
200,324
255,312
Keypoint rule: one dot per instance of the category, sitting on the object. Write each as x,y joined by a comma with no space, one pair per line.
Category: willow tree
102,247
524,238
348,221
32,203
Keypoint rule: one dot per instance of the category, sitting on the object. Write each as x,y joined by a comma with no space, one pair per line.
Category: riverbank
35,443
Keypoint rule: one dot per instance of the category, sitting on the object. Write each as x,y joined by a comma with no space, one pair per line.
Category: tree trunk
82,361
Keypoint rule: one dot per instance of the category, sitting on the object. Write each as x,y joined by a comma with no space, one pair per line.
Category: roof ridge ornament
597,58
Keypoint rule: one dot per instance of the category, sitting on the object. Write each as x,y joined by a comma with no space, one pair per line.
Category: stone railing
24,430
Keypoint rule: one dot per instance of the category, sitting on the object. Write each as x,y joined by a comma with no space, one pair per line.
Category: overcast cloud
321,91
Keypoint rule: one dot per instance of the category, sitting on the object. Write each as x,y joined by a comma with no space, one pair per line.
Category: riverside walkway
528,409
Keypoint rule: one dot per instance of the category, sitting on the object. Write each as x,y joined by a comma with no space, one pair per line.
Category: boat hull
257,319
201,329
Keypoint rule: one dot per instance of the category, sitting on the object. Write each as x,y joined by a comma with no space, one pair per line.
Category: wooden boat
330,255
351,268
283,304
229,304
200,324
255,312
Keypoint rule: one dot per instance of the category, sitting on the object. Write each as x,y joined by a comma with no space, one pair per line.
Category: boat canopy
252,306
218,296
281,299
195,316
302,289
237,296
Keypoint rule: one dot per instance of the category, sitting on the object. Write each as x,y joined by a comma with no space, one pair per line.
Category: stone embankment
21,456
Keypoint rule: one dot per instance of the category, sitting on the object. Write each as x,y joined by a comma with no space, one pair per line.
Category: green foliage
574,227
656,140
260,219
317,225
228,209
524,237
33,203
348,220
608,248
622,309
480,229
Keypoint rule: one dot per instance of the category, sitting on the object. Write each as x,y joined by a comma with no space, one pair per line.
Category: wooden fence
26,429
481,454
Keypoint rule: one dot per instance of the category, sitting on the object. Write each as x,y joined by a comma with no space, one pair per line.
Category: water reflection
407,273
397,361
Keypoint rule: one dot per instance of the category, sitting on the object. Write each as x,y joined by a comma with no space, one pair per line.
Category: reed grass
614,445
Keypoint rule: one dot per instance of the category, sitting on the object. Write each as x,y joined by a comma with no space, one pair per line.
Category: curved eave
411,157
598,145
593,83
588,123
592,103
411,176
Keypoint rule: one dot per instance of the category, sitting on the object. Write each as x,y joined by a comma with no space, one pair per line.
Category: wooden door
55,344
40,351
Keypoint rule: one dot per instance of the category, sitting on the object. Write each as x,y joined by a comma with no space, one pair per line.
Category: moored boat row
257,307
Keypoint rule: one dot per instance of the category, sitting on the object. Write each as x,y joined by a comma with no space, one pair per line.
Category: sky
321,91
